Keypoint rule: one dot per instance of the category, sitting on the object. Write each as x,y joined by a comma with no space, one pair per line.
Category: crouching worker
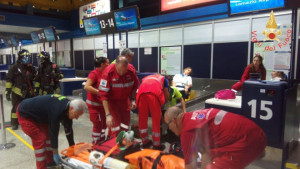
40,118
224,139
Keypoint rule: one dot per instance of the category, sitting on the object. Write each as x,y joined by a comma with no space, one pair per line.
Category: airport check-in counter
3,71
231,105
69,84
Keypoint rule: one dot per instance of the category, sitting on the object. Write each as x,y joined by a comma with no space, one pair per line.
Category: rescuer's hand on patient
132,105
109,120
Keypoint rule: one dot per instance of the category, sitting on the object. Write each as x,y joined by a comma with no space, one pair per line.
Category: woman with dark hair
255,67
93,101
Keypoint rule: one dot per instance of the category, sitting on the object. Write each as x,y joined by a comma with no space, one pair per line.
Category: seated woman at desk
255,67
183,82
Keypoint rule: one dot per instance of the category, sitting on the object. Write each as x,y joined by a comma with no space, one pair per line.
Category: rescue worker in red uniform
225,140
19,83
256,67
93,101
40,117
151,96
118,83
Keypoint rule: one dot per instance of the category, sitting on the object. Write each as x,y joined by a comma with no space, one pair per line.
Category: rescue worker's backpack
155,159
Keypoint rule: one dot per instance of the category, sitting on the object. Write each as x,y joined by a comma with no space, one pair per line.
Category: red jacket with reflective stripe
115,87
95,76
219,130
152,84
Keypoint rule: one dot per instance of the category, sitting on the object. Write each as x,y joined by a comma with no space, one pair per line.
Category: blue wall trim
34,21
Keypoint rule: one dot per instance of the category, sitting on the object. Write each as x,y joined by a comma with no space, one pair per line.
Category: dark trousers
16,100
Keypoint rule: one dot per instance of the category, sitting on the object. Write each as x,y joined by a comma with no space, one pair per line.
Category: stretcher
80,155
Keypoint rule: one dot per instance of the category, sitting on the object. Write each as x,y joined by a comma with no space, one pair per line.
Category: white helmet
95,158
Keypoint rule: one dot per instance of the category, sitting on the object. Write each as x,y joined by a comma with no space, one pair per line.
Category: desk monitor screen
127,19
91,26
255,76
243,6
14,41
35,37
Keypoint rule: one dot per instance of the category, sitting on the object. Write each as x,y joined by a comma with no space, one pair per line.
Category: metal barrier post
4,145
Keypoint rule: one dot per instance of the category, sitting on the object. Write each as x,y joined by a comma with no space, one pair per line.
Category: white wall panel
67,44
77,44
198,34
232,31
133,39
47,46
148,38
88,43
34,48
99,42
171,37
60,46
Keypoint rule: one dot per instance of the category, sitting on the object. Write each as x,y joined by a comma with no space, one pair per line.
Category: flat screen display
49,33
91,26
35,37
174,4
14,41
243,6
127,19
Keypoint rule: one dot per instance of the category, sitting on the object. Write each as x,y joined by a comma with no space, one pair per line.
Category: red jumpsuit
97,113
116,90
233,141
246,75
150,97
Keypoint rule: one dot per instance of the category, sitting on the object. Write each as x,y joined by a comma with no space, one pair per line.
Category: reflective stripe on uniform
41,158
17,91
14,115
93,103
37,84
8,84
144,131
39,151
115,128
124,126
103,89
122,85
156,143
68,133
96,134
48,148
154,134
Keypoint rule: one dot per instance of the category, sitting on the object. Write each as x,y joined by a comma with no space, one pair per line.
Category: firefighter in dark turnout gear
48,76
19,83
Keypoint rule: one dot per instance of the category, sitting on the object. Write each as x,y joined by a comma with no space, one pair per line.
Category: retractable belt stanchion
4,145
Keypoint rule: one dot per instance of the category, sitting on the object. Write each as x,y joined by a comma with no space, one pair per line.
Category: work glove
56,158
8,97
7,93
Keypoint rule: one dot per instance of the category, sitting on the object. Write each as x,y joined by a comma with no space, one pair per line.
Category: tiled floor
22,157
